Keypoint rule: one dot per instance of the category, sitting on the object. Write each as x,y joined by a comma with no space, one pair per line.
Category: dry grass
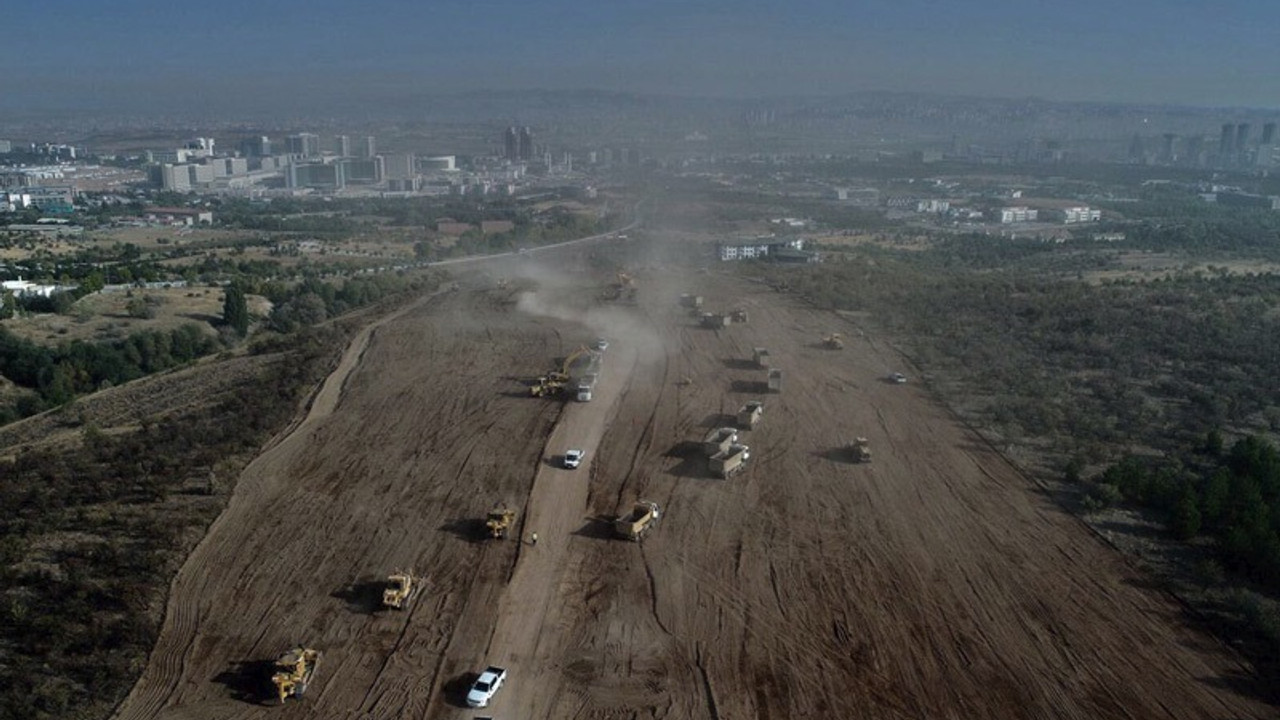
104,316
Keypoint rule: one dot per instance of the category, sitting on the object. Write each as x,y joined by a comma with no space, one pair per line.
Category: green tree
235,309
1185,521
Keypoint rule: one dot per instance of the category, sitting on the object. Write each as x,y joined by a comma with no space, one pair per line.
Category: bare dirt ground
934,582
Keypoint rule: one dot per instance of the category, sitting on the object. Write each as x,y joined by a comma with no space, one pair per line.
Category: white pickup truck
485,686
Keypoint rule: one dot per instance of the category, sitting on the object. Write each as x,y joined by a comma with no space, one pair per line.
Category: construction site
727,549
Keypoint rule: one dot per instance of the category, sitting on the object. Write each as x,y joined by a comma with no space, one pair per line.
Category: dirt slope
934,582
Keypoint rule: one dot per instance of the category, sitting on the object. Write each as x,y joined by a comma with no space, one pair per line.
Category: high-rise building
526,144
256,146
369,147
342,145
322,176
305,145
1242,137
511,144
1225,144
1268,133
399,166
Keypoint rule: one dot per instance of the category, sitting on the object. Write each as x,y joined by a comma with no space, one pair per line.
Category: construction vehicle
750,414
738,316
623,288
500,521
692,302
760,356
293,672
719,440
834,341
634,525
585,387
725,464
860,450
401,587
578,364
713,320
775,380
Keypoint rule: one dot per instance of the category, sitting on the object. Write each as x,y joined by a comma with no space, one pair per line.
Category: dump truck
760,356
400,589
738,316
634,525
719,440
860,450
293,672
725,464
500,521
585,387
692,302
714,320
775,380
750,414
834,341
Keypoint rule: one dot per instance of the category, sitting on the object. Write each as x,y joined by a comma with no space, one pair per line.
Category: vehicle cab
573,458
485,686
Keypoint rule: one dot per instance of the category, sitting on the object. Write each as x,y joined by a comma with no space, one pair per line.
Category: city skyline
142,53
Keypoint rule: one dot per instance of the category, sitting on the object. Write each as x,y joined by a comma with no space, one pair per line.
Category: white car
898,378
483,689
573,458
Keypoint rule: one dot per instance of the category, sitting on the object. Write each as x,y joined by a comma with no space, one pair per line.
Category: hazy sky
86,53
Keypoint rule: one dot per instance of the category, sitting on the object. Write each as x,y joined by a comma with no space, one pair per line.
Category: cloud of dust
617,323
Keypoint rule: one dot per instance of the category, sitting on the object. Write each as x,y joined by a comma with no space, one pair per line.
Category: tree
235,309
1185,521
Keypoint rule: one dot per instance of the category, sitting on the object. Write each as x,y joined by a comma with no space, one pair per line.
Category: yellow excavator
554,382
293,672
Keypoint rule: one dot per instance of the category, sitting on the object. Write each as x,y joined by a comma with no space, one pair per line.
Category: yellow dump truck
719,440
634,525
750,414
725,464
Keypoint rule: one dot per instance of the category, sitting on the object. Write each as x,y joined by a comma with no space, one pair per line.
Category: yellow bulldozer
400,589
293,672
500,521
834,341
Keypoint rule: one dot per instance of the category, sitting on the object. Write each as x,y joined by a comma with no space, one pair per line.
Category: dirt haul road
934,582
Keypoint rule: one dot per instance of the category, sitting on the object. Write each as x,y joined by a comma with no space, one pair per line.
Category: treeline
312,301
1234,499
58,374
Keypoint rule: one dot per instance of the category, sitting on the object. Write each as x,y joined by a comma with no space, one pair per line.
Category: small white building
1080,214
1018,214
